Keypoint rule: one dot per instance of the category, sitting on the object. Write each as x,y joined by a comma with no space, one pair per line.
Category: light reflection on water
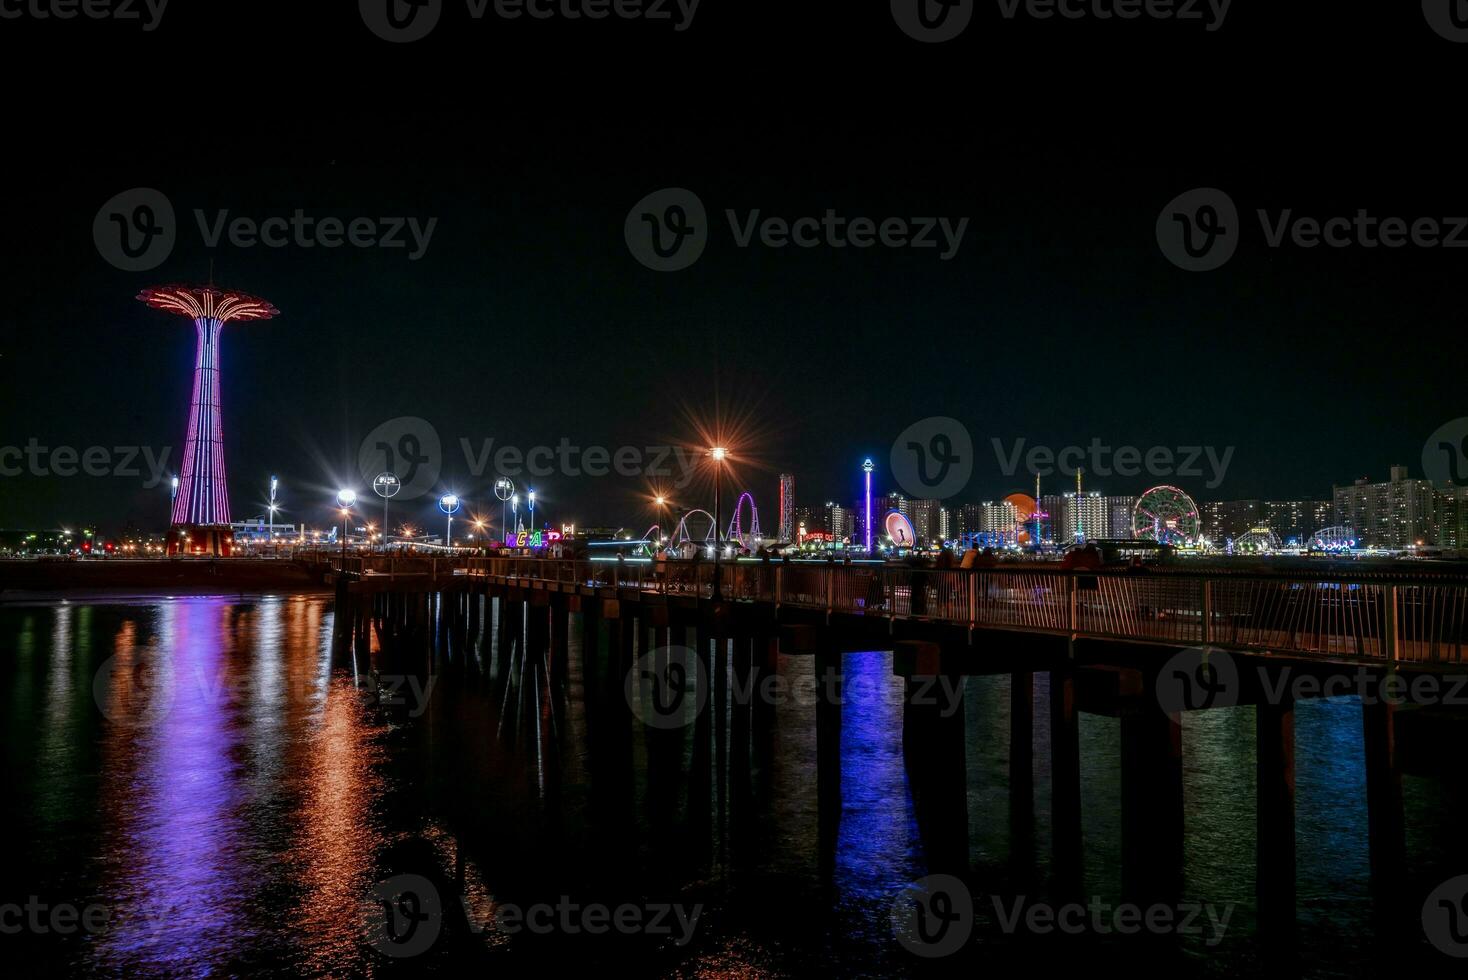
232,794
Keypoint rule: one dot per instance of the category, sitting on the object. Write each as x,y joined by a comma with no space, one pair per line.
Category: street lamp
718,454
345,499
515,509
867,467
504,488
449,504
661,503
386,485
530,493
274,485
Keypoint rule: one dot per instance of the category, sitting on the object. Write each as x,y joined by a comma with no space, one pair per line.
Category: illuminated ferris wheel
1166,515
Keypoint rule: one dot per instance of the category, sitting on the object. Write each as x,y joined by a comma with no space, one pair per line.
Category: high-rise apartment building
1395,514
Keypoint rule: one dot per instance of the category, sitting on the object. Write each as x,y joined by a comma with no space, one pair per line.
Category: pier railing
1381,616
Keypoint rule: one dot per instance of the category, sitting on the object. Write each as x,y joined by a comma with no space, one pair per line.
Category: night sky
528,320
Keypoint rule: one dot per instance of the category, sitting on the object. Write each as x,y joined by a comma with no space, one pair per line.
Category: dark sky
527,320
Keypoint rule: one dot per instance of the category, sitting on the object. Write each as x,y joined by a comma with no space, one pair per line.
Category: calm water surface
221,781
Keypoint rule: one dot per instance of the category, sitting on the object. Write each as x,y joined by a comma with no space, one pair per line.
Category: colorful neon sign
532,539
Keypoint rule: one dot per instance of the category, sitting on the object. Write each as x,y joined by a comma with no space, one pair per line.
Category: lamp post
867,467
661,502
274,485
504,488
449,504
718,454
530,495
345,499
515,510
386,485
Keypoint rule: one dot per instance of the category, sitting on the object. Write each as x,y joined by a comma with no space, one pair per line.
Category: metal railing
1384,616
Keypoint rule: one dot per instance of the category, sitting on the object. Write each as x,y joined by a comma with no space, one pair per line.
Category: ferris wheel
1166,515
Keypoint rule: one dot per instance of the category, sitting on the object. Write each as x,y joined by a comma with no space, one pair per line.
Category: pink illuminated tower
201,509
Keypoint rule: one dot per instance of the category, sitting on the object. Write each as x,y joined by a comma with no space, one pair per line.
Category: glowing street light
515,509
345,498
661,503
449,504
504,488
718,454
867,467
530,493
274,485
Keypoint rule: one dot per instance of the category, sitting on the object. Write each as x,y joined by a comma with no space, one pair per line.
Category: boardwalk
1382,617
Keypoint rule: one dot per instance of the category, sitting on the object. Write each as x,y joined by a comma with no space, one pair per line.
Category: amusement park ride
200,520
